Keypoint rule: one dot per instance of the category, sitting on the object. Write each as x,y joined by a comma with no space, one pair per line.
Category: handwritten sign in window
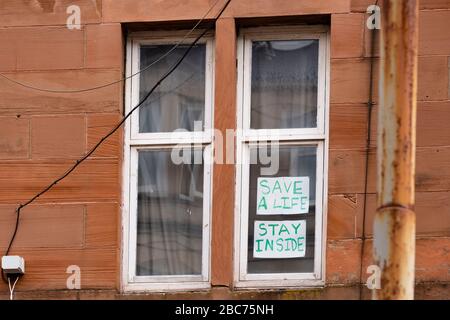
282,195
279,239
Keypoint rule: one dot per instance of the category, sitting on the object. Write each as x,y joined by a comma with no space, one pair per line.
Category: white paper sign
282,195
279,239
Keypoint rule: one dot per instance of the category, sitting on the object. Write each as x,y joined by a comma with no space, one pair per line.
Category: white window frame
135,141
247,137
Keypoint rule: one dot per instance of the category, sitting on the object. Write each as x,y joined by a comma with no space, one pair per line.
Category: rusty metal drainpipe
395,221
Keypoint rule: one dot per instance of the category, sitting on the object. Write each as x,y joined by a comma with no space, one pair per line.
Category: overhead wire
167,53
114,129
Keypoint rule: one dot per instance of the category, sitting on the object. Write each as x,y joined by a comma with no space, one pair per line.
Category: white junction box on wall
13,265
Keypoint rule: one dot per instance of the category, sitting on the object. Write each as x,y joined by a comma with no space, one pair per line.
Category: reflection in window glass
170,214
284,84
294,161
180,99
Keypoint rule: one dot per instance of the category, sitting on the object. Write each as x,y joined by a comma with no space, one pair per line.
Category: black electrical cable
370,104
167,53
118,125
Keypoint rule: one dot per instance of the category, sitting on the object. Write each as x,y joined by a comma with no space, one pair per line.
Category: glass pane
180,99
284,84
170,214
294,161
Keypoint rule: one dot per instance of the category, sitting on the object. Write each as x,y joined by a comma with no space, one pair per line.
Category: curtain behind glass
180,99
284,84
295,161
170,214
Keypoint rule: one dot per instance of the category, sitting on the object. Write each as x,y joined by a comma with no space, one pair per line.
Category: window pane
170,214
294,161
180,99
284,84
